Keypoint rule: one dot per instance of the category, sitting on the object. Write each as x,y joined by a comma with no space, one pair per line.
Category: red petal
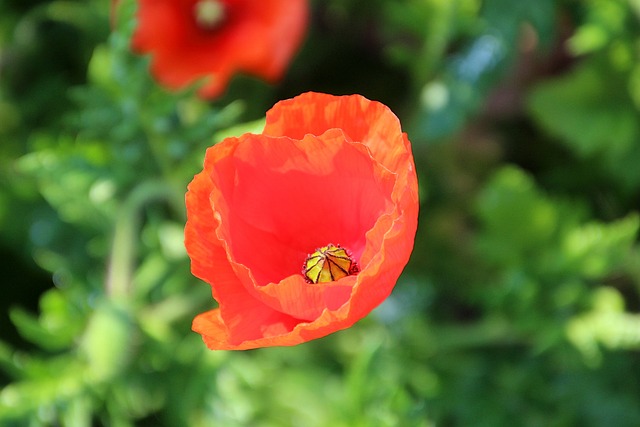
209,262
373,285
383,251
280,200
258,37
362,120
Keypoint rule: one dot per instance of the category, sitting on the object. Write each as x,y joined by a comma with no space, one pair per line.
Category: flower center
209,13
329,263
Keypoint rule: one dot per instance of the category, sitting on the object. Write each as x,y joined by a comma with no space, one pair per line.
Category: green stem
157,146
126,234
157,142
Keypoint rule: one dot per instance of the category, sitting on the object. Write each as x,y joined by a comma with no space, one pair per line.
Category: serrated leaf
588,109
517,218
31,329
73,178
598,248
57,326
42,393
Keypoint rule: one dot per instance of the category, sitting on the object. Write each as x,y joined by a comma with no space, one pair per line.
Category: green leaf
597,249
588,110
57,382
75,178
106,343
604,23
606,324
57,326
518,219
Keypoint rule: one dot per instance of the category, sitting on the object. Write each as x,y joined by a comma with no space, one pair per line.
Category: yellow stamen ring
328,264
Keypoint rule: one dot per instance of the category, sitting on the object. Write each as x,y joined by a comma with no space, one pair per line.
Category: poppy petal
256,37
251,204
209,262
362,120
314,179
373,286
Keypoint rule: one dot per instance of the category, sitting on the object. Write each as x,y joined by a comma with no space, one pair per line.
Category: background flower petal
256,37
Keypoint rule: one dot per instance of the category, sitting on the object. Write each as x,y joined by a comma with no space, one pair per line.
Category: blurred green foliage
520,306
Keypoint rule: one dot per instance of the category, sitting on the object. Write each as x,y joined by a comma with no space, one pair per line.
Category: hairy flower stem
126,234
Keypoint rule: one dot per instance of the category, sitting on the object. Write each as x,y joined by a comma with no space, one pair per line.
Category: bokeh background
519,307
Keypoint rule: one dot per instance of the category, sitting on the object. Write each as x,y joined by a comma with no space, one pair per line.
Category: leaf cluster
520,305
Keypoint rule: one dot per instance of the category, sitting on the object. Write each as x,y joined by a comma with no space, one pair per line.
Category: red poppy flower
192,39
304,229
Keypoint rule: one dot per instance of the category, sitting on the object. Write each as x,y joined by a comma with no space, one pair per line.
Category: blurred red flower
327,173
192,39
